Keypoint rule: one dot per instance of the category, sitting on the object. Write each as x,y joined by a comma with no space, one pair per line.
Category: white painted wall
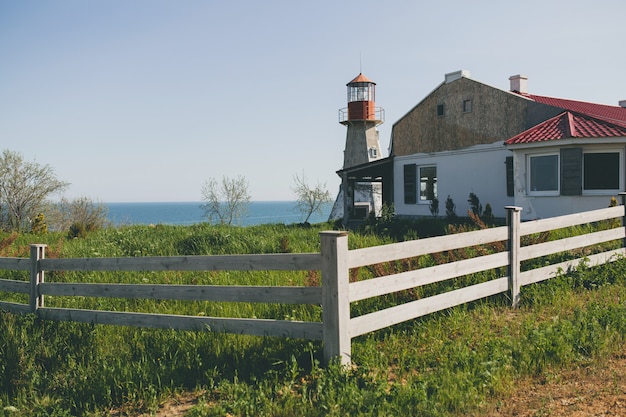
479,169
539,207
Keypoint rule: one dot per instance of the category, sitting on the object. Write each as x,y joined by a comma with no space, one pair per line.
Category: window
428,183
574,171
440,109
467,106
544,174
601,171
373,153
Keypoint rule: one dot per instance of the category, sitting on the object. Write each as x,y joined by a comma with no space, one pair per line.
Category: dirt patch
598,390
178,406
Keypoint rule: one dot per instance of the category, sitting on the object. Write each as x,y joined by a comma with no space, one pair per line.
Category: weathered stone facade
462,113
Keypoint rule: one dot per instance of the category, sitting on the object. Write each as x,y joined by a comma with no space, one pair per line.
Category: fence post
335,299
513,215
37,252
623,195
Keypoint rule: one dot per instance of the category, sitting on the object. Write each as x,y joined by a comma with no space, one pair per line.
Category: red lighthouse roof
361,79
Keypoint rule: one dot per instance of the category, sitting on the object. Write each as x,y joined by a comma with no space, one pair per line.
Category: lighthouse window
361,93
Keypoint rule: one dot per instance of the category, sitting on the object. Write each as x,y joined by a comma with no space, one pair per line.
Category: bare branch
225,202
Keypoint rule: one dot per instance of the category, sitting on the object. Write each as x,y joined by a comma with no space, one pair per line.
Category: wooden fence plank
37,275
16,264
335,293
10,285
254,327
411,310
403,281
513,218
544,273
575,242
559,222
15,308
225,293
413,248
254,262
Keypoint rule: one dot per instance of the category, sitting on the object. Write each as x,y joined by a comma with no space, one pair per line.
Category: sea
188,213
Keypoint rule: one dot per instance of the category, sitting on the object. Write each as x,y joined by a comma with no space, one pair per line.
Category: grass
454,362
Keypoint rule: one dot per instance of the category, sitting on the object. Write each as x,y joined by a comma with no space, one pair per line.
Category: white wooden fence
336,293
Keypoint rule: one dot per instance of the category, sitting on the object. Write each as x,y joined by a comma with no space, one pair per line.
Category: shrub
77,230
450,210
84,211
475,205
39,225
434,207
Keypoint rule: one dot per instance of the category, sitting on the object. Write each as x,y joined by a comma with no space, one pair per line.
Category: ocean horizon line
191,212
189,202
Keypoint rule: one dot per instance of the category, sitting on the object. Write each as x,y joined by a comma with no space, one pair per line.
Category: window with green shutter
510,188
571,171
410,186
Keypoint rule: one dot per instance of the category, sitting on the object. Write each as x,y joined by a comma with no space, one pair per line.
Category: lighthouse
357,199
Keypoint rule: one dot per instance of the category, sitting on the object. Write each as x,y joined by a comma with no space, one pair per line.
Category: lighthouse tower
357,199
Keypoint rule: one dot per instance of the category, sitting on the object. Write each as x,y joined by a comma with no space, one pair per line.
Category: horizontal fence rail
336,293
269,262
223,293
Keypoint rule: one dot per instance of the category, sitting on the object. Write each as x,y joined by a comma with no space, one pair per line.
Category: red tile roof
570,125
612,113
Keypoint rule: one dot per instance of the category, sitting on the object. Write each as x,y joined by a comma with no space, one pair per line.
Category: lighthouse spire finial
360,62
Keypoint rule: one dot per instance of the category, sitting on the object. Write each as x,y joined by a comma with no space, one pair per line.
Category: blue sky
144,100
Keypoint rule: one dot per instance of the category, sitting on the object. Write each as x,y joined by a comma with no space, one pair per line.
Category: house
507,147
572,162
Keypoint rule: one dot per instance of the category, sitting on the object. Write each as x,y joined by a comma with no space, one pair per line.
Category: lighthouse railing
379,115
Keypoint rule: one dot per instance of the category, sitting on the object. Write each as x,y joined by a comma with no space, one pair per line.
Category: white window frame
618,151
418,184
529,191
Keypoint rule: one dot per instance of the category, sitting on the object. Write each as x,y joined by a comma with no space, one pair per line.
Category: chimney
519,83
622,103
453,76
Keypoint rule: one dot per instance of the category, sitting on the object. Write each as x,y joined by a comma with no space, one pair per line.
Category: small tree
450,209
488,216
39,226
309,199
475,206
434,207
24,188
80,212
226,201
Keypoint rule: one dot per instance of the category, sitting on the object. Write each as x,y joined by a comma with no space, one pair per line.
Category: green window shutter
410,176
510,189
571,171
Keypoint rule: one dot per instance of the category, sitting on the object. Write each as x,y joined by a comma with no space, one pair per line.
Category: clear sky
144,100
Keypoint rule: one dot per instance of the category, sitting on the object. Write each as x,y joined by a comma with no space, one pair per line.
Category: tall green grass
451,362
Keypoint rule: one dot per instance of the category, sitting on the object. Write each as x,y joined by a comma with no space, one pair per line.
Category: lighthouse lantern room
361,100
